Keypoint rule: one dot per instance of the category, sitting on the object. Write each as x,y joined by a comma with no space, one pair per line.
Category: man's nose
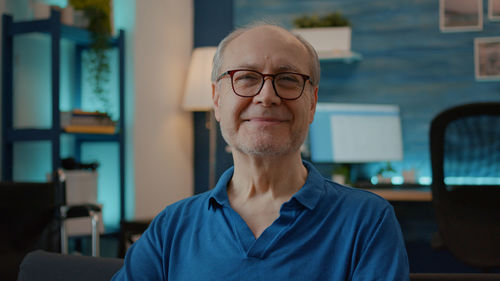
267,95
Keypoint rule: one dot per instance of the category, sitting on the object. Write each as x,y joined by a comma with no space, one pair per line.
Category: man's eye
288,79
246,77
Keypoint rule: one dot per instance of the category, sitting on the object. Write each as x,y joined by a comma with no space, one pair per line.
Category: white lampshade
198,91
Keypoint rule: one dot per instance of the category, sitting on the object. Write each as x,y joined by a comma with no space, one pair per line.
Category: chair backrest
465,156
130,231
28,221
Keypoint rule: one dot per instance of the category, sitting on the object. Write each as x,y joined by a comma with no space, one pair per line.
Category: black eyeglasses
249,83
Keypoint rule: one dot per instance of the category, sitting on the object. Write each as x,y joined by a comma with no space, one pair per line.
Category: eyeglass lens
249,83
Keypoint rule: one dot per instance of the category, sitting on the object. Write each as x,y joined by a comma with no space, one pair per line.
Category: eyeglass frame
264,75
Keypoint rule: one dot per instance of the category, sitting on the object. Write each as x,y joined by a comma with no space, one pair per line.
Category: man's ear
314,101
215,100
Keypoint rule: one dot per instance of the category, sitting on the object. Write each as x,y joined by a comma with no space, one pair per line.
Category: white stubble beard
264,144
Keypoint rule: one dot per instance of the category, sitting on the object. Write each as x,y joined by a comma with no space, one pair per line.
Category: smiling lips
265,117
265,120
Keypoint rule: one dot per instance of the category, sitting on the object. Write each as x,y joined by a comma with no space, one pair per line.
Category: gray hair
219,54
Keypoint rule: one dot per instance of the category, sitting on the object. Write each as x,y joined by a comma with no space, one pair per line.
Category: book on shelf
90,129
78,121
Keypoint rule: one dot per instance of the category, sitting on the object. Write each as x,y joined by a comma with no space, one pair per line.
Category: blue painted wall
406,61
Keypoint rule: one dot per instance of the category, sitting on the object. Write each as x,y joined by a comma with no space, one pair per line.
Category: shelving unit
81,39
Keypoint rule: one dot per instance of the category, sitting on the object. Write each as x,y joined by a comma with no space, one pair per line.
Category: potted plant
341,174
329,34
98,17
384,174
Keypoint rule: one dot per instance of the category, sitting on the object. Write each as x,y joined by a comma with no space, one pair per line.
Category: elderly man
272,216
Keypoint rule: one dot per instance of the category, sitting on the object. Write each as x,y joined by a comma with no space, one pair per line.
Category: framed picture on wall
487,58
460,15
494,10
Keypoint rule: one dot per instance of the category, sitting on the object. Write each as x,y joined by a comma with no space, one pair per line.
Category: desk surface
406,194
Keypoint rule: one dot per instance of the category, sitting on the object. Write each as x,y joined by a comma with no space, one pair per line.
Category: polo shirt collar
309,195
311,192
218,195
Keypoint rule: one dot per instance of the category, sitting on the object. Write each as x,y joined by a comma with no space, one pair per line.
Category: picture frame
494,10
460,15
487,58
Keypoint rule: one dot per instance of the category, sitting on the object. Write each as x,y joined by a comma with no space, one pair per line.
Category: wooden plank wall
406,61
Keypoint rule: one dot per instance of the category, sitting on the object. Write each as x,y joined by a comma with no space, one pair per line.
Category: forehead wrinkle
287,67
280,64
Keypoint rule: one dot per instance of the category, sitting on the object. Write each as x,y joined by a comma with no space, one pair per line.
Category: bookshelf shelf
95,137
78,129
12,135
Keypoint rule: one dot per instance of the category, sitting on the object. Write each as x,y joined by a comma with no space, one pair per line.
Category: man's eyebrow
287,67
246,66
281,68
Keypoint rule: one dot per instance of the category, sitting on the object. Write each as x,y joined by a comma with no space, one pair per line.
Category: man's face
264,124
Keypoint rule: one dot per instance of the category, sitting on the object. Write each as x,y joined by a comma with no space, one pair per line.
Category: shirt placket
261,247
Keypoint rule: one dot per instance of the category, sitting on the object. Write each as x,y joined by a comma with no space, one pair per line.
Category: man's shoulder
190,202
354,197
186,207
335,197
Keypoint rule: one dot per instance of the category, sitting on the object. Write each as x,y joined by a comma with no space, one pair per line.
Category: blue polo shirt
324,232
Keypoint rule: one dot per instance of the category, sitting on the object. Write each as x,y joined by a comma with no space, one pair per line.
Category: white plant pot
67,15
384,180
327,40
409,176
40,10
340,179
79,19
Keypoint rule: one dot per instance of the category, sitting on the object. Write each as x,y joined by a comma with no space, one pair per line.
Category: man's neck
277,176
260,186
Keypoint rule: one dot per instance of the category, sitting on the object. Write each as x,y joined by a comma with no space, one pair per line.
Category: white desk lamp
198,97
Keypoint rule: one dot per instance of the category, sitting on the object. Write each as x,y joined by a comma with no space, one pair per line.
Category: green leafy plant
329,20
98,13
387,170
343,170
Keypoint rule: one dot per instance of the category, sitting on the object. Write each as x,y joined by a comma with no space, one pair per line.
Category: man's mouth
264,119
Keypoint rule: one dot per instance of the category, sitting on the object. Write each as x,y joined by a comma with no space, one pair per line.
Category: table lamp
198,97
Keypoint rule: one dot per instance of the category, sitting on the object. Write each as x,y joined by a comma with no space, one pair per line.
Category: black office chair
465,156
32,216
27,222
130,231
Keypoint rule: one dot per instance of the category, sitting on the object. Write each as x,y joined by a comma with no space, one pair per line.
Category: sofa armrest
42,265
455,277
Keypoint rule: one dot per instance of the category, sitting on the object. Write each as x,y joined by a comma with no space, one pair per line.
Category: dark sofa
41,265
